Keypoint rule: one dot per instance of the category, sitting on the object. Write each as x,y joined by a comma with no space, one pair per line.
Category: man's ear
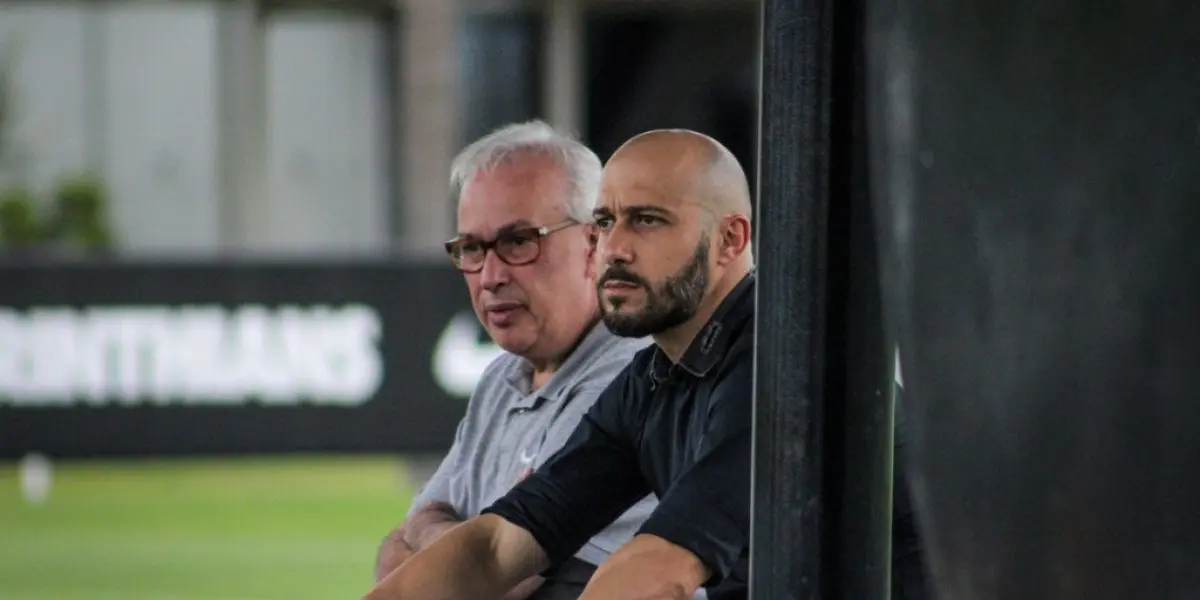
735,238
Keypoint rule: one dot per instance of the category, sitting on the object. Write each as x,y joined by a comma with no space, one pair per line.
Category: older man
525,198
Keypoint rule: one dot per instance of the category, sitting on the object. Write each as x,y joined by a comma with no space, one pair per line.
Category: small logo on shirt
709,337
527,459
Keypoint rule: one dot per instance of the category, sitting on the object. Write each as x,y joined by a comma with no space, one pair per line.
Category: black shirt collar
709,346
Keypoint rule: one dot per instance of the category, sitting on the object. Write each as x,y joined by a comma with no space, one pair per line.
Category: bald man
673,252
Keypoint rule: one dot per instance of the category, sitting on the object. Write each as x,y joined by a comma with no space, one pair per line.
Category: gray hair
581,166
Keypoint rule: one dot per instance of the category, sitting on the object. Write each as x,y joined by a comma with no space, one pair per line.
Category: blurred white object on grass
36,475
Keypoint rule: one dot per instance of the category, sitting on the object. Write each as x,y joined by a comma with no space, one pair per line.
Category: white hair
581,166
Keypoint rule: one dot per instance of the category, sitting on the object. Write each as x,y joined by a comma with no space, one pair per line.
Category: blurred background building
235,127
230,344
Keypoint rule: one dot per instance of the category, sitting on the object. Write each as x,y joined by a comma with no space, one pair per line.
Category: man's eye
647,220
603,222
469,248
514,241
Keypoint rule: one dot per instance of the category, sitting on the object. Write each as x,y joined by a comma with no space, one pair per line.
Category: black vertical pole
823,420
788,532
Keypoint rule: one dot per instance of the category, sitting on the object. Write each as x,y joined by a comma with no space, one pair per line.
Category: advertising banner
216,358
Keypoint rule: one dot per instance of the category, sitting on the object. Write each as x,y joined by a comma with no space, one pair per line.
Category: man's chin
509,333
623,306
513,342
624,325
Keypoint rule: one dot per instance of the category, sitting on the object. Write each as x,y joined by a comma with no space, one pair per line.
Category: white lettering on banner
460,358
190,355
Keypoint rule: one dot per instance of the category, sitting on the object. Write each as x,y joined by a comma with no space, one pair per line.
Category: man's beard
668,306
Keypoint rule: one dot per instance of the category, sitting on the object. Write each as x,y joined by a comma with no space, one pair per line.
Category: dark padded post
1037,167
823,424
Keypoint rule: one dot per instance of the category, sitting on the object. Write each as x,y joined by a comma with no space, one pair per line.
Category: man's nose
613,247
495,272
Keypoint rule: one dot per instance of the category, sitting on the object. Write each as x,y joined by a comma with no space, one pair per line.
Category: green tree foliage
75,215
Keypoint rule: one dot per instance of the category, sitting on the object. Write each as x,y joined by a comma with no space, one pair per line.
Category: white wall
161,129
132,89
49,134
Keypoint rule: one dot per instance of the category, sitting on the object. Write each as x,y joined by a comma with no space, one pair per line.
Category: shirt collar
709,346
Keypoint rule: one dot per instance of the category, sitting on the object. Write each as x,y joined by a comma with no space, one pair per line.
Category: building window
501,70
331,139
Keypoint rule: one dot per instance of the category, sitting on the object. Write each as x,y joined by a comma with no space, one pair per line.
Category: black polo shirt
681,431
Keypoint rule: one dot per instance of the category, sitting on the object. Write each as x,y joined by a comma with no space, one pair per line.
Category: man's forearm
395,551
647,568
634,584
462,564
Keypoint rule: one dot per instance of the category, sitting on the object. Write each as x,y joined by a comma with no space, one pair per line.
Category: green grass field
223,529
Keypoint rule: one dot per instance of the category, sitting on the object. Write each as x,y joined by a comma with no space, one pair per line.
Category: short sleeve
587,484
707,510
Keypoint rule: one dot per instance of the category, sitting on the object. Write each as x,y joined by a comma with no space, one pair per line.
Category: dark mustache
622,275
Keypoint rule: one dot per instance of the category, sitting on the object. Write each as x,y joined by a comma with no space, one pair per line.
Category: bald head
673,235
692,164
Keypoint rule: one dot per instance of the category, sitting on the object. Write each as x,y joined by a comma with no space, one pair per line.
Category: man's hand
424,526
647,568
428,524
392,553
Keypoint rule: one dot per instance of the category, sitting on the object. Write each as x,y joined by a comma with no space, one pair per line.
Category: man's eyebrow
509,227
513,226
636,209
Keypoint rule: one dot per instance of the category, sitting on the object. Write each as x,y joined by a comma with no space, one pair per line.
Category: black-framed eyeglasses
516,247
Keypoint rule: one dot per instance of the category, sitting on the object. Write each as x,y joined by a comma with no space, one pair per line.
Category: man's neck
541,377
674,342
545,368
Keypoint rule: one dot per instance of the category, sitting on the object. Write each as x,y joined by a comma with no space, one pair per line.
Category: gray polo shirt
509,429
